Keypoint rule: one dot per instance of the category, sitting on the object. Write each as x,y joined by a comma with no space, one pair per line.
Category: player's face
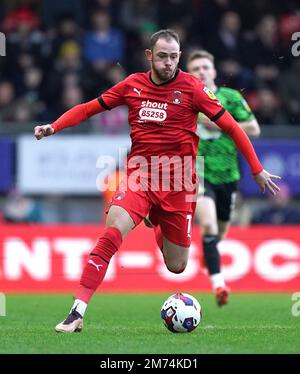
204,69
164,59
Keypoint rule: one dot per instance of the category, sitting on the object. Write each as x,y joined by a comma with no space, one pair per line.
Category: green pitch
251,323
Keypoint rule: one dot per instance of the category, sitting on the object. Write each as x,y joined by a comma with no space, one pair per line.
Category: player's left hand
265,180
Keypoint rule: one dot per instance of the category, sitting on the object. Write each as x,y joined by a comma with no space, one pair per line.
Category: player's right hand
42,131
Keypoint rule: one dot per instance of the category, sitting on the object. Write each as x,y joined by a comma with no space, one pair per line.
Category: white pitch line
136,259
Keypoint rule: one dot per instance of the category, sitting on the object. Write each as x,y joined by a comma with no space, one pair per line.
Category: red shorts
172,210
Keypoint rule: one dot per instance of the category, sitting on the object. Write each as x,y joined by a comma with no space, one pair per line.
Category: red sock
96,267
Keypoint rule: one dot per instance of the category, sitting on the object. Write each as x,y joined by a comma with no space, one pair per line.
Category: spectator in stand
115,74
32,93
16,69
288,24
55,9
66,31
7,96
227,42
228,45
136,44
68,62
103,47
110,6
134,14
23,34
281,210
289,88
21,110
32,82
268,108
266,52
233,74
47,49
20,17
171,11
24,112
104,44
68,70
71,96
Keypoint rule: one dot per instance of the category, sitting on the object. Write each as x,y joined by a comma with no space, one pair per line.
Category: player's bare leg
175,256
207,216
118,217
118,225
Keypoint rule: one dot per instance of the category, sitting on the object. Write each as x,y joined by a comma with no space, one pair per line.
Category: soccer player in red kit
163,108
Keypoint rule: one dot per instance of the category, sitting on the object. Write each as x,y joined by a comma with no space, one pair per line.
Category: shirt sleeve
114,97
206,102
77,114
239,108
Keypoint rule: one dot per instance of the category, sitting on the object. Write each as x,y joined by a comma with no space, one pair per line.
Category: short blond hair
200,53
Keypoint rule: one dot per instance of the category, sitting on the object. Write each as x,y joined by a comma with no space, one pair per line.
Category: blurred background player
219,178
177,136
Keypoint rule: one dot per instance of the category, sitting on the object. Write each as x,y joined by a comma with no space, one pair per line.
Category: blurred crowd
62,52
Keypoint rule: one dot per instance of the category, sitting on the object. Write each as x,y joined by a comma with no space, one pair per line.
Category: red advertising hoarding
50,259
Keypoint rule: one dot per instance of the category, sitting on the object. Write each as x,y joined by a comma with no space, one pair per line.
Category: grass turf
251,323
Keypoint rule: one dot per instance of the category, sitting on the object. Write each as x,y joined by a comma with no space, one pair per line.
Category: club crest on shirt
177,97
209,93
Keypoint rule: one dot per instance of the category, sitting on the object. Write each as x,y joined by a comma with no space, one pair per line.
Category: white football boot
73,323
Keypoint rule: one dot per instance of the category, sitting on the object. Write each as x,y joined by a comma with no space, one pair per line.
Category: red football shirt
163,118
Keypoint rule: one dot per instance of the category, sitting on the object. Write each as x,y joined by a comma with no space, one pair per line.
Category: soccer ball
181,312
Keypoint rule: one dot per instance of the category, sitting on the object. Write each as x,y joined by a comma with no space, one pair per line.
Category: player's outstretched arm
243,143
72,117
